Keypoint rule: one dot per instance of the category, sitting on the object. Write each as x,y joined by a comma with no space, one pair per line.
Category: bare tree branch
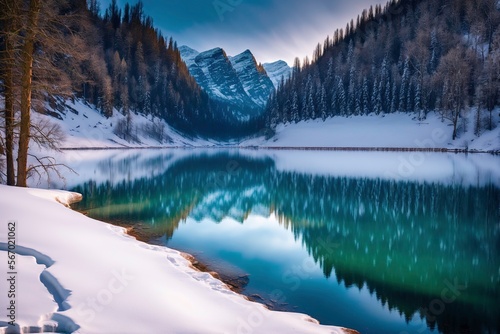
48,164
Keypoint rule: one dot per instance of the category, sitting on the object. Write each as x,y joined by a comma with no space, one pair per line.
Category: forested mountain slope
145,73
413,56
118,61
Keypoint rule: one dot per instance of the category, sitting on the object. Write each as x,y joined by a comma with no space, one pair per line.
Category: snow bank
79,274
400,130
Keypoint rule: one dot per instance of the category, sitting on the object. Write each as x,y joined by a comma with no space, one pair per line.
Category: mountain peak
245,56
254,79
240,80
214,72
187,50
277,71
188,54
213,53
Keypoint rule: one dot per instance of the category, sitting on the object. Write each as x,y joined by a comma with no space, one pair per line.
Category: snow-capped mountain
277,71
188,54
253,77
239,80
214,72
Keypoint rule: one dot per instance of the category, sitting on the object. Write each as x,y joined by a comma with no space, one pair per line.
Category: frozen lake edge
136,274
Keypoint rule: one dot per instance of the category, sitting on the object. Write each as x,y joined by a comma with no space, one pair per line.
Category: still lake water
377,242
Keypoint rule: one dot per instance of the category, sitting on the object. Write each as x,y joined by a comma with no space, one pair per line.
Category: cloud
271,29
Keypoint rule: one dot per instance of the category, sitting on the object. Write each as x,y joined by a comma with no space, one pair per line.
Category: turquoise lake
378,242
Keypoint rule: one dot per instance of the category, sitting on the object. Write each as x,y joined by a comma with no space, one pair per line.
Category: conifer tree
405,82
394,100
351,98
295,108
342,101
366,97
323,105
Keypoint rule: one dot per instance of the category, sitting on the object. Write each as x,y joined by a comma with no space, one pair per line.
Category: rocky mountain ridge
240,80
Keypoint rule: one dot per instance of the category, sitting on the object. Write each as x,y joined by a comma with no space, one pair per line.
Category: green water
372,253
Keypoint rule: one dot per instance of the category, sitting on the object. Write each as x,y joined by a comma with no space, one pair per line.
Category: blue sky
271,29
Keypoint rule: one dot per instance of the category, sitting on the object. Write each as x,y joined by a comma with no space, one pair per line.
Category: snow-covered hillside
399,130
87,128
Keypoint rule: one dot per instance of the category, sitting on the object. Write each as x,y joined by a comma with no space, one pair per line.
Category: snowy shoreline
82,275
295,148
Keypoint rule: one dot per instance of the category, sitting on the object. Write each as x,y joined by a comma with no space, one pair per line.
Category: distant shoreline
293,148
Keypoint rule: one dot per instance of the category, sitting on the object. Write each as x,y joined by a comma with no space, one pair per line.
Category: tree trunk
10,18
491,120
477,130
9,126
456,116
26,80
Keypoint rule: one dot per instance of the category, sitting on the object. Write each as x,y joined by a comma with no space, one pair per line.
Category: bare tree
419,56
46,135
455,73
41,46
26,85
490,85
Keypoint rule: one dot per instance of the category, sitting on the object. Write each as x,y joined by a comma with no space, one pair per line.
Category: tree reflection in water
419,247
